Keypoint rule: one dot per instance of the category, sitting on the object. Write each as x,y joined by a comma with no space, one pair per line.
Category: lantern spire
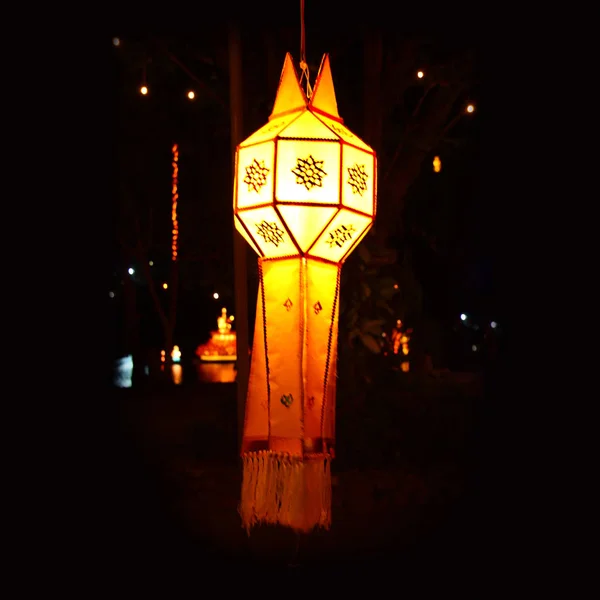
323,96
290,96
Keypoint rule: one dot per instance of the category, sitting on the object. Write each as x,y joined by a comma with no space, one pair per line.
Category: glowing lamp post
304,197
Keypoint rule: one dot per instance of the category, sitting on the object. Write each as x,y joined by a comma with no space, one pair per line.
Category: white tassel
280,488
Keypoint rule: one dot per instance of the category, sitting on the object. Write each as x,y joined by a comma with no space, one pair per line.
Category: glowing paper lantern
304,197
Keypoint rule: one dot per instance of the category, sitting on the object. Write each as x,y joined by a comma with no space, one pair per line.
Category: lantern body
304,197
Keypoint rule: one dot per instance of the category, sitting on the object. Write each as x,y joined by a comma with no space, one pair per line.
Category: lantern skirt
289,425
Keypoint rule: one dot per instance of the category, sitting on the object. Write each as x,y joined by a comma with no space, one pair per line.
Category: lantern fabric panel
254,176
242,231
358,179
340,235
307,126
306,223
269,131
308,171
268,231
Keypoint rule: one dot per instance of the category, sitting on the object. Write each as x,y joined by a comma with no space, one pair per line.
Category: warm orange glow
143,90
437,164
177,372
323,96
470,108
162,356
290,95
305,191
176,354
222,344
405,366
420,74
175,197
191,94
165,286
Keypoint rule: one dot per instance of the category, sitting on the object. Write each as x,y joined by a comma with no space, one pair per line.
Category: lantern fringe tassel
285,489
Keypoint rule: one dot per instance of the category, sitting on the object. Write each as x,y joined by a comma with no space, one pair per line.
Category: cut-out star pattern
358,179
338,237
270,232
309,172
256,175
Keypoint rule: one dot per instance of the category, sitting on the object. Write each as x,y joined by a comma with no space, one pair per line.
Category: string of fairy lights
174,198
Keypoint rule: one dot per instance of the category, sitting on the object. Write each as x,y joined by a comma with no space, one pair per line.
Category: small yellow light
437,164
191,95
216,296
470,108
143,90
165,286
420,74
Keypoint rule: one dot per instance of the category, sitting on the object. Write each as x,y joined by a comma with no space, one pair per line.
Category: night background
407,421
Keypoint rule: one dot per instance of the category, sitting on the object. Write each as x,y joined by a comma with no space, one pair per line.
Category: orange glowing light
305,191
191,94
165,286
420,74
175,197
470,108
143,90
437,164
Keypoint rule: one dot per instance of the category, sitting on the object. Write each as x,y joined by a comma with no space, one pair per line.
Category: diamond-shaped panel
268,232
340,236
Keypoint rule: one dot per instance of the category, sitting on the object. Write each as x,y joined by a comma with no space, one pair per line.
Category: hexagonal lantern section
305,185
304,196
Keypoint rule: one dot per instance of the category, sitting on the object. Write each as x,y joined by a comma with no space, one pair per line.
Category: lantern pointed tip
290,95
323,96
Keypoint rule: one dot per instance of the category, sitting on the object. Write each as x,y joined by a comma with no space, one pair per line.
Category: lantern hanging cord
303,64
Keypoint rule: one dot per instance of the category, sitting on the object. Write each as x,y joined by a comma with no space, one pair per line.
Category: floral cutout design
309,172
256,175
270,232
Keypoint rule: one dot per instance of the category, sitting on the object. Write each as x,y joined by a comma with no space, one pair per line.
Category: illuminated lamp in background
437,164
176,354
304,197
